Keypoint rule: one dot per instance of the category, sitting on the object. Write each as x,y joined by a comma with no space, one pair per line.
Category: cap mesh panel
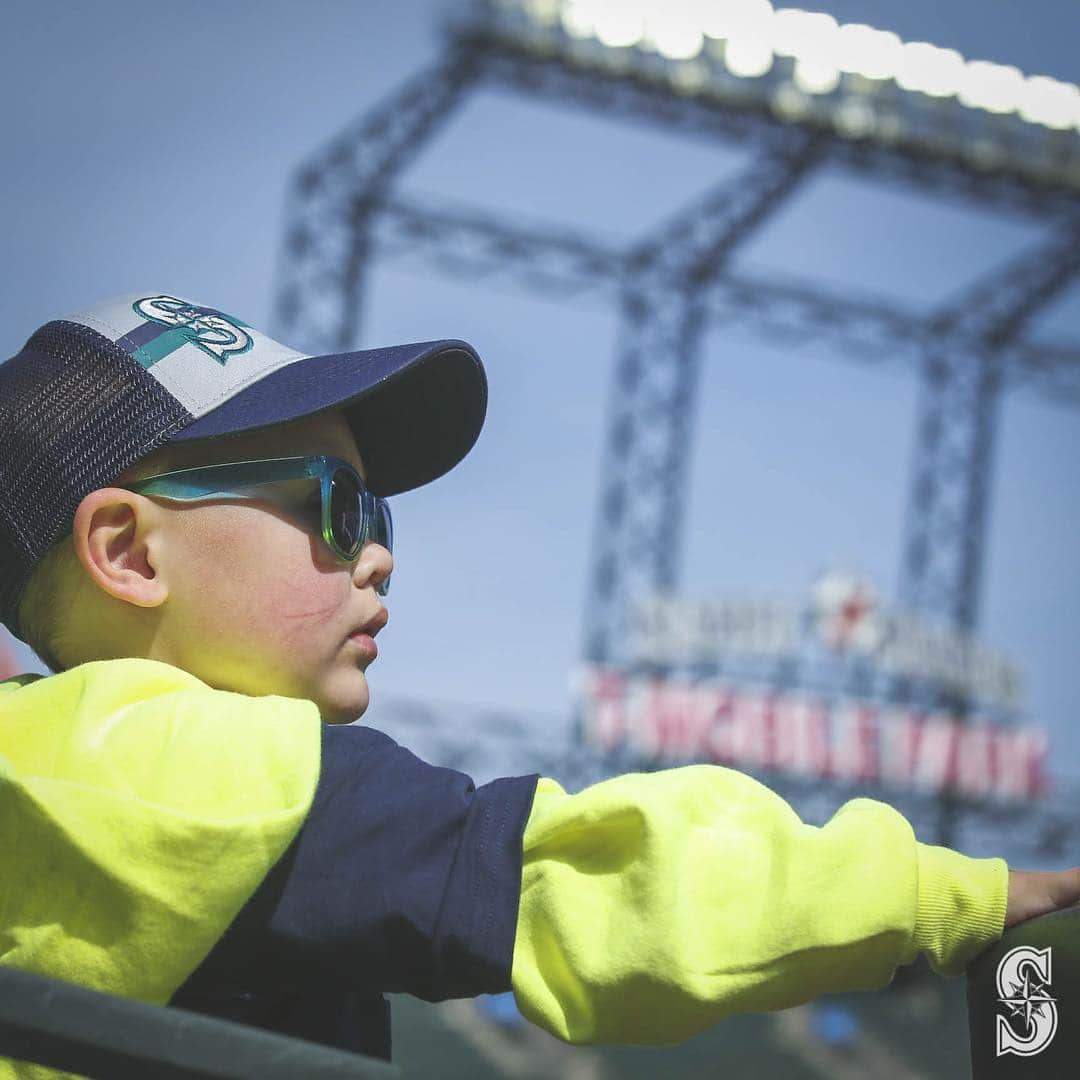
75,412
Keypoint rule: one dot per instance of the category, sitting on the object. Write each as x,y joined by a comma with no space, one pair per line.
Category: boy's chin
346,706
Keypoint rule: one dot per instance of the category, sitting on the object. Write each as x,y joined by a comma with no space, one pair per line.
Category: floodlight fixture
928,69
618,25
993,87
676,39
739,20
817,45
1049,102
808,36
816,78
807,68
748,58
873,54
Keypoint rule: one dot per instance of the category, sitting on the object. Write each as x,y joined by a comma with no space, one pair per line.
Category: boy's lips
365,634
366,643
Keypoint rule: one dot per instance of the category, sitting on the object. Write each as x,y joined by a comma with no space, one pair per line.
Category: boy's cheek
311,624
269,589
299,614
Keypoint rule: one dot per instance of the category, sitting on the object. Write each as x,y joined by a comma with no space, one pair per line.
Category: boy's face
257,603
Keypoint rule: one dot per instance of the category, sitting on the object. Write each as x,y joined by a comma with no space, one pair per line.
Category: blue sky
151,147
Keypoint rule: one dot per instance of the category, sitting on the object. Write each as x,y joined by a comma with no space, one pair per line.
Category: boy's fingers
1040,892
1065,887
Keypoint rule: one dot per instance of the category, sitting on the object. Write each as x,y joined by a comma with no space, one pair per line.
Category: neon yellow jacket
654,905
139,809
651,905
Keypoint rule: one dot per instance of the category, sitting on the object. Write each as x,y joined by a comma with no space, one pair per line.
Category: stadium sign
843,618
667,720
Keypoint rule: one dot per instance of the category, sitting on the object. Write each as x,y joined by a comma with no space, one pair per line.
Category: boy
194,535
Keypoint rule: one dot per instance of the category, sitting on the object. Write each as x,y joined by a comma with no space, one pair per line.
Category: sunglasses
348,515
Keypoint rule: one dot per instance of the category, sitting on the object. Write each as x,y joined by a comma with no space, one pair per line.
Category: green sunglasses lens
346,512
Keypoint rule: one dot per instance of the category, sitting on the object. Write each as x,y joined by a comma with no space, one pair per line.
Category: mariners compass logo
1023,982
214,332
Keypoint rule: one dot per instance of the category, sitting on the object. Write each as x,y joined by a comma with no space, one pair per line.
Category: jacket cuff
961,907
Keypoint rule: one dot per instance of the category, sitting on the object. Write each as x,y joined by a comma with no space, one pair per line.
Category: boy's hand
1035,892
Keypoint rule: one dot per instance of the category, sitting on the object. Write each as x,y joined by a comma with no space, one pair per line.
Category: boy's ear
116,536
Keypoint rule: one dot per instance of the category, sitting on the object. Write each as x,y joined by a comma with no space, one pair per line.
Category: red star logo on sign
845,613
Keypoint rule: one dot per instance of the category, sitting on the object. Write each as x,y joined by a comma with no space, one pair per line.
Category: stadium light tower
800,92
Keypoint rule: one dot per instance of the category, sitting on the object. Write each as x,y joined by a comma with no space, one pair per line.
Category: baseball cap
90,395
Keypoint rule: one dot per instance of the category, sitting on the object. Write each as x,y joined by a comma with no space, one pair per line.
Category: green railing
103,1036
1054,1052
106,1037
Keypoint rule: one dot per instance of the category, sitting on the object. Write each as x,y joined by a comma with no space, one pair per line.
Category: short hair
42,609
48,603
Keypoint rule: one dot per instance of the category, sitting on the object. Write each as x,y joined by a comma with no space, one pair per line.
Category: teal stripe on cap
161,346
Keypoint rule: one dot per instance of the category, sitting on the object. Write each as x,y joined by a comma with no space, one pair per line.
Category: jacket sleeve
139,809
404,878
653,905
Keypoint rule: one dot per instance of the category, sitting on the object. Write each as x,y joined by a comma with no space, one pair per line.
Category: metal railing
98,1035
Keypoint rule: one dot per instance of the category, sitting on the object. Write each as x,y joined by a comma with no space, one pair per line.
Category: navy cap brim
415,410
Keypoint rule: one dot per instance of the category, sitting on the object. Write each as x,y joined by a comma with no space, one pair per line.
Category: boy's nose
373,566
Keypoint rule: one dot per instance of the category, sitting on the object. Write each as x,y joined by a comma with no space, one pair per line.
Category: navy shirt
405,877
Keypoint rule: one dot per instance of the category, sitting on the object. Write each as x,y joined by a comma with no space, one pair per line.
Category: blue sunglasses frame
225,481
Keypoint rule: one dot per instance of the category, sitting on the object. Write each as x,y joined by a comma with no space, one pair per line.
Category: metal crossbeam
456,240
1000,304
568,263
335,194
693,246
656,372
871,330
963,378
638,538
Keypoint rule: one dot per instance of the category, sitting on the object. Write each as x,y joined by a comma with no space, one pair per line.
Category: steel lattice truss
673,283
